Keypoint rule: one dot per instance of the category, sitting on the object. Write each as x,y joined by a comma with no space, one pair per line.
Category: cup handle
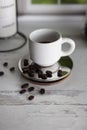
72,46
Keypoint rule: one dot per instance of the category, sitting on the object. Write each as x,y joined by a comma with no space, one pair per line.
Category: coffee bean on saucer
30,73
59,73
12,69
25,62
42,91
1,73
44,76
5,64
49,73
31,89
22,91
23,86
31,97
37,68
40,73
25,70
31,67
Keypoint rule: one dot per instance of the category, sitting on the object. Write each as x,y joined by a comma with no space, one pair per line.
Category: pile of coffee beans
33,69
27,88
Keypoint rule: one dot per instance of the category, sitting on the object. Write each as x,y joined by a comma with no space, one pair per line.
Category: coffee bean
31,74
37,70
42,91
25,70
31,71
22,91
31,67
25,62
12,69
24,85
31,89
59,73
31,97
1,73
49,74
40,73
44,76
5,64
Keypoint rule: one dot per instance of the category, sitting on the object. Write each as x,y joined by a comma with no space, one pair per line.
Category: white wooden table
64,106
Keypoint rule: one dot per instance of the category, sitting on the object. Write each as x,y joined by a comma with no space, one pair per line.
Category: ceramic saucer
65,64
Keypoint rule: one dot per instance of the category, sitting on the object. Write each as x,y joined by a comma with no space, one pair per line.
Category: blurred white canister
8,23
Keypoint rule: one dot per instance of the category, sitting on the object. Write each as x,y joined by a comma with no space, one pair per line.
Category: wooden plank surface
43,117
63,106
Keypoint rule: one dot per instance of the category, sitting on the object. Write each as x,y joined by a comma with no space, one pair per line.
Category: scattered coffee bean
5,64
31,97
49,74
31,89
44,76
12,69
22,91
59,73
24,85
1,73
42,91
25,62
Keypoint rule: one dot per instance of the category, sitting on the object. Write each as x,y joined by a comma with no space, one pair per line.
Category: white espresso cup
46,47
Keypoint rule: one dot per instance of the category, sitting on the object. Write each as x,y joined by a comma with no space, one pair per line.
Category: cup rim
44,29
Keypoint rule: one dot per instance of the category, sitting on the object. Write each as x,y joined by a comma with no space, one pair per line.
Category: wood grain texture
64,105
43,117
55,97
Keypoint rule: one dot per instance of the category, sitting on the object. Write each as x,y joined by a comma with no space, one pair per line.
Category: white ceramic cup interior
45,47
